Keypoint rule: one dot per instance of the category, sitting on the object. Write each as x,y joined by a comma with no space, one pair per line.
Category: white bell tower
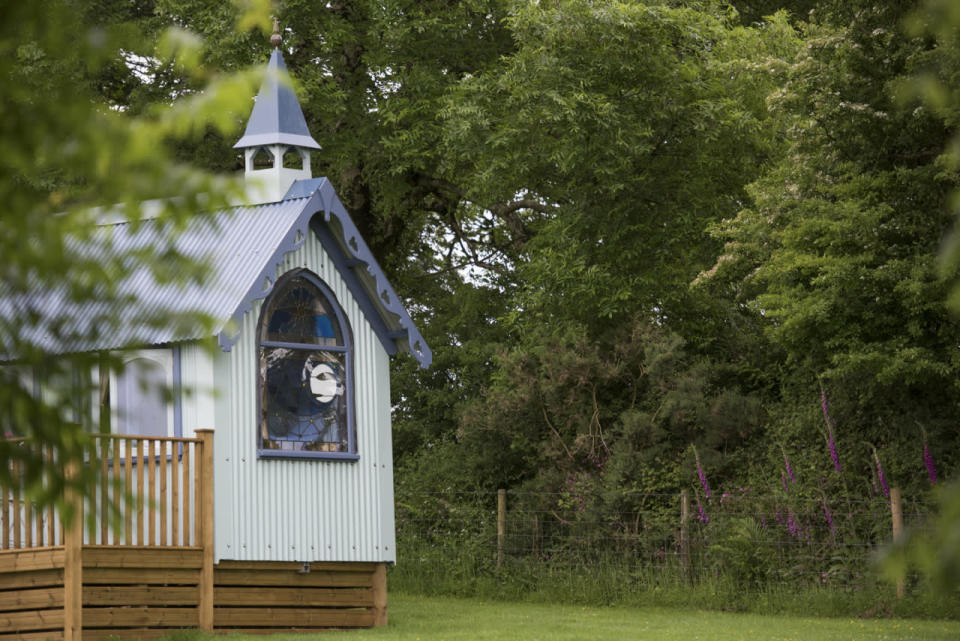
276,144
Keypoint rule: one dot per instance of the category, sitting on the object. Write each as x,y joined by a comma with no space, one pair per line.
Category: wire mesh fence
743,540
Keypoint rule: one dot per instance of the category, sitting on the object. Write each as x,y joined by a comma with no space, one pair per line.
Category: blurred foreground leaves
73,152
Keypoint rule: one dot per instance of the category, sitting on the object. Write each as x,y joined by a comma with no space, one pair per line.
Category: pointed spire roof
276,117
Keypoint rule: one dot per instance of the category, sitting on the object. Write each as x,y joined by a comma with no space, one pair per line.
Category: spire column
276,126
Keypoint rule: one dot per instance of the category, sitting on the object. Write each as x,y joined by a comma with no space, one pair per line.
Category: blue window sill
329,456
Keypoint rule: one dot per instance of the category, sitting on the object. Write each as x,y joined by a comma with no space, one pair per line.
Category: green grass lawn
415,618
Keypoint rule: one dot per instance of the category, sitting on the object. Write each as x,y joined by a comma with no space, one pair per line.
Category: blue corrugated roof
276,117
243,247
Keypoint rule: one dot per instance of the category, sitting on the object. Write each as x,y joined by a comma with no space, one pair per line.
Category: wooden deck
143,566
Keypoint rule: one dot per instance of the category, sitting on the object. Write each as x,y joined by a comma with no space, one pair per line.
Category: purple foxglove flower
832,444
703,515
783,480
786,462
880,476
826,513
703,477
831,441
928,460
703,481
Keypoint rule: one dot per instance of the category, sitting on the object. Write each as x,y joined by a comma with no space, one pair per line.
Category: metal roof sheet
242,247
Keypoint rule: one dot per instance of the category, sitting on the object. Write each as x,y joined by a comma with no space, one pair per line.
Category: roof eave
262,140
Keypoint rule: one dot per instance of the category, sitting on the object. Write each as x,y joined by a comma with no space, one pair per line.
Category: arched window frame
347,349
167,360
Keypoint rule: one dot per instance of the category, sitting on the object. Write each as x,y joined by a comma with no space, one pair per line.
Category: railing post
205,520
73,562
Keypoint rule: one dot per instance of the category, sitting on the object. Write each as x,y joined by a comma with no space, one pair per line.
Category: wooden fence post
73,562
536,536
684,532
896,514
501,525
205,521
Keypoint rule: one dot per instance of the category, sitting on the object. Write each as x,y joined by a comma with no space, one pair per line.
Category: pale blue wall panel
303,509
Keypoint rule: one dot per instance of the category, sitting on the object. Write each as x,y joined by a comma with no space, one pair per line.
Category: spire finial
276,39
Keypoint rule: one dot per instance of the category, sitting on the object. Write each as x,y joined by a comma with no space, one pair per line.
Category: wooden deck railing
138,563
23,523
149,492
147,510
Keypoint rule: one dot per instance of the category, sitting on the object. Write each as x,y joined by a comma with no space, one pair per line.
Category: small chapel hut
263,500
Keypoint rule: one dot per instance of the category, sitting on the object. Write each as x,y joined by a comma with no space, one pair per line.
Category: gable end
353,259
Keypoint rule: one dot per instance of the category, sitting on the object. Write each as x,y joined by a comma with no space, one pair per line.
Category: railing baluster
118,491
186,492
5,519
51,509
104,498
197,517
152,510
174,494
162,464
38,509
141,494
128,494
89,511
27,520
17,540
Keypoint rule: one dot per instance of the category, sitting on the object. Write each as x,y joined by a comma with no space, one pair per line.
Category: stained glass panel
304,400
304,373
301,314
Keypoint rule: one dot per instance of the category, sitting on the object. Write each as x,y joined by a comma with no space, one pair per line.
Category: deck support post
205,521
380,595
73,563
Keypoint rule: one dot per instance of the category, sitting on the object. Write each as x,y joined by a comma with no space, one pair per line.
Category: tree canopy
79,140
640,237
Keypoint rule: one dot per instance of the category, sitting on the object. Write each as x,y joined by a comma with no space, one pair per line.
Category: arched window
305,376
141,407
139,394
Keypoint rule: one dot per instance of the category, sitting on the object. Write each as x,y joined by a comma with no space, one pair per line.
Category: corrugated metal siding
198,408
305,510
